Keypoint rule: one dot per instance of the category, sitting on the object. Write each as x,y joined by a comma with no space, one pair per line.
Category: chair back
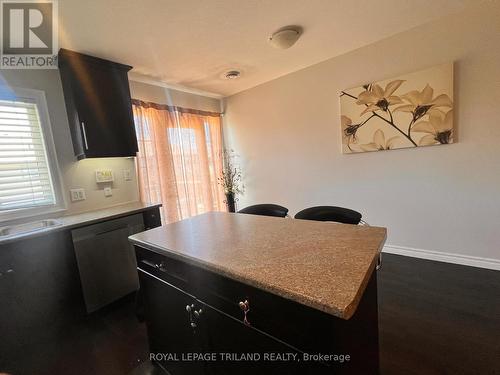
265,210
330,213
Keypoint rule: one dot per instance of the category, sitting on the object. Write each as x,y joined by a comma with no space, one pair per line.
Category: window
28,169
179,159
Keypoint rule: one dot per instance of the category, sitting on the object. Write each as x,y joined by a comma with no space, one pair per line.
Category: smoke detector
232,74
285,37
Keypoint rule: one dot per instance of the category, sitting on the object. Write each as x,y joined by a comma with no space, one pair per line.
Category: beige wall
444,198
163,95
75,174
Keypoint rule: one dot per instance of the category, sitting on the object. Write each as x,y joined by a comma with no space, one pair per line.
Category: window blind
25,179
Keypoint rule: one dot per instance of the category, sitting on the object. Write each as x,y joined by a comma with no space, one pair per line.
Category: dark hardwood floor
434,318
438,318
108,342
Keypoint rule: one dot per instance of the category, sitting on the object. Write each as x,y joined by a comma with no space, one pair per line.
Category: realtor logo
29,34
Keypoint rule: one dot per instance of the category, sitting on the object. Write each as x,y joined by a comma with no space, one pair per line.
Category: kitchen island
227,293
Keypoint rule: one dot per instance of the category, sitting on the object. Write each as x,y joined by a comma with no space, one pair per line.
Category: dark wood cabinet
232,340
275,325
169,325
152,218
180,325
40,294
98,104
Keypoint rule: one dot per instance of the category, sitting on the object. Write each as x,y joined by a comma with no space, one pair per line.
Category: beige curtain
179,159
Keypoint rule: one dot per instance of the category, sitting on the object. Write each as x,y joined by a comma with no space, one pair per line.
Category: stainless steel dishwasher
106,260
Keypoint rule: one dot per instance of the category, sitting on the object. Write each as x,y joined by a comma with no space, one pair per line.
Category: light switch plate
127,175
108,192
77,195
104,175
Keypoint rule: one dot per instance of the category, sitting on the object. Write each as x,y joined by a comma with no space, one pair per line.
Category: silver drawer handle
159,266
245,307
84,136
194,315
379,262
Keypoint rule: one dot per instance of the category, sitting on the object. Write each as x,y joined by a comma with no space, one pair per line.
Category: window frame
39,98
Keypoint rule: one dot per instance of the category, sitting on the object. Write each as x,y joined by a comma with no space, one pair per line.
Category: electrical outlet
108,192
77,195
127,175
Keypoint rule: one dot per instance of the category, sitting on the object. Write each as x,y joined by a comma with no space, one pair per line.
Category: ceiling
192,42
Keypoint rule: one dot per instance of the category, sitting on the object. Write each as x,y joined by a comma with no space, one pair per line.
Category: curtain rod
165,107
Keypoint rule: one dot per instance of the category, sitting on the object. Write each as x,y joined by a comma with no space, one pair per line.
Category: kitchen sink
31,227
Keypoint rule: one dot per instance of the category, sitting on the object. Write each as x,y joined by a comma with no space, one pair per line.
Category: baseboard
466,260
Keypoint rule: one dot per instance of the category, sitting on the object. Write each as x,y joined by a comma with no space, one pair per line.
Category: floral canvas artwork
413,110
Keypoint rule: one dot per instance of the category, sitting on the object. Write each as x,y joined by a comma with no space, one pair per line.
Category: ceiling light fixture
285,37
232,74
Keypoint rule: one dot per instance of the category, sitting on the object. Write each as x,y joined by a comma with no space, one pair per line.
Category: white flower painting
414,110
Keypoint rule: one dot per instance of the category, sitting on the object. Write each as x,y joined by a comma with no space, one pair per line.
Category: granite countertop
322,265
82,219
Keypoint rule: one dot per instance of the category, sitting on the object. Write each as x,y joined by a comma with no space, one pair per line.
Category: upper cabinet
98,104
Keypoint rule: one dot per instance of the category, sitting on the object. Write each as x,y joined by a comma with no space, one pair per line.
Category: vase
230,202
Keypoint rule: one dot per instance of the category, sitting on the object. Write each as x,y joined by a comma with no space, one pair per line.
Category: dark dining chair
330,213
265,210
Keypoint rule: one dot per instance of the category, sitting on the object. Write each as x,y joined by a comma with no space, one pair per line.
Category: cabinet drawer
277,316
170,270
